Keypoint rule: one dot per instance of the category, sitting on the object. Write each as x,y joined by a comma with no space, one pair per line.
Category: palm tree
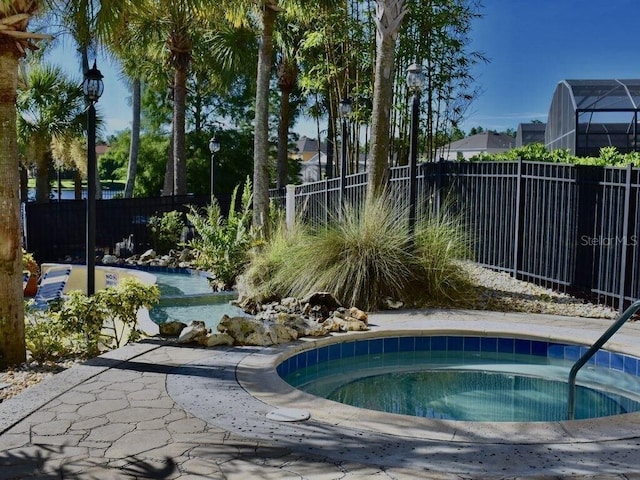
50,106
389,15
14,42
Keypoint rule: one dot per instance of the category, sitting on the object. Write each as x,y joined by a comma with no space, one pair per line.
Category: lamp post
214,147
415,79
92,88
345,112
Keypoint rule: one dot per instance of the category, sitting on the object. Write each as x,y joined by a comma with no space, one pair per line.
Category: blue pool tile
555,350
348,349
471,344
301,360
335,351
407,344
323,354
630,365
375,346
603,358
312,357
489,345
505,345
362,347
455,344
439,344
571,352
522,347
539,348
424,344
390,344
616,361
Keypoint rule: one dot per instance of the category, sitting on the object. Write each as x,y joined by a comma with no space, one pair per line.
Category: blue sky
534,44
531,44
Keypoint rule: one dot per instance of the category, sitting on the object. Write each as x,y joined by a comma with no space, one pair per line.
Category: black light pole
345,112
92,88
415,79
214,147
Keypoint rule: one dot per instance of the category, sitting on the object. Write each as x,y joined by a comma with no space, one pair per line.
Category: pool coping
256,373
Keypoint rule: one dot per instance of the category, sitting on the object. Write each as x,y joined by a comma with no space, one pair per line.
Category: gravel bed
496,291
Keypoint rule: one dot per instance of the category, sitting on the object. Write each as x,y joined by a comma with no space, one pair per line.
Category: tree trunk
261,124
43,162
179,106
168,186
12,347
283,139
389,15
132,168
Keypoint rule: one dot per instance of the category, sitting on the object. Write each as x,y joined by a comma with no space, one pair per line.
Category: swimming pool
186,295
470,378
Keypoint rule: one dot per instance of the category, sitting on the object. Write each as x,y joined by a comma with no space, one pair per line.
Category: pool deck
160,410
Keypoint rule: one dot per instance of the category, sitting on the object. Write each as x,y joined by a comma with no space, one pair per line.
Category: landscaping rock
215,339
171,329
247,331
110,260
192,332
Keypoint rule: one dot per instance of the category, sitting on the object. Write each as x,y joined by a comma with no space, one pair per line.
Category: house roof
482,142
306,144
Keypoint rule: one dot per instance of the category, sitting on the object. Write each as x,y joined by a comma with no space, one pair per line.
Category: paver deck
159,410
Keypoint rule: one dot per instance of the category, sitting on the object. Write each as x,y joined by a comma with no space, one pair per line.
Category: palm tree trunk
132,168
283,138
42,172
179,107
12,347
261,137
389,15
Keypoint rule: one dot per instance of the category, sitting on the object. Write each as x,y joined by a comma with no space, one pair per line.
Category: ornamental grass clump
364,258
440,242
361,258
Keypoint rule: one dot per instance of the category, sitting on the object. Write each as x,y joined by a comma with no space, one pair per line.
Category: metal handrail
633,308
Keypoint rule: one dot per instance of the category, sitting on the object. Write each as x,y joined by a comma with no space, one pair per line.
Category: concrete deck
157,410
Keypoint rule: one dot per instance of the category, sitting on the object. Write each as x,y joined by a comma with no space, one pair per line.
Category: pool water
487,386
185,297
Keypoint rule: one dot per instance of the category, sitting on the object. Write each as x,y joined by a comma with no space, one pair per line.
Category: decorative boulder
358,315
109,260
148,256
192,332
171,329
215,339
248,331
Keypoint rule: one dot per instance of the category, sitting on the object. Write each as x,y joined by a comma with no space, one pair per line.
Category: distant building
312,158
586,115
468,147
529,133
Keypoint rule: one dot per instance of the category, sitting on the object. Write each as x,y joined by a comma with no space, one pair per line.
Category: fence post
517,241
625,236
588,179
290,206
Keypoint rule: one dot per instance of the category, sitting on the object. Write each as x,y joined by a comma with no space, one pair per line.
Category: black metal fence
57,231
562,226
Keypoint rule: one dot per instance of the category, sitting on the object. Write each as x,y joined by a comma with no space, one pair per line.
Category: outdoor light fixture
415,79
345,113
214,147
92,85
345,108
92,88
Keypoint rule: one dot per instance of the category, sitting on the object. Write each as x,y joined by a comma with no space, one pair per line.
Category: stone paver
162,411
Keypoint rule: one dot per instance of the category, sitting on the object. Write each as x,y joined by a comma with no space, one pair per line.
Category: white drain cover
288,415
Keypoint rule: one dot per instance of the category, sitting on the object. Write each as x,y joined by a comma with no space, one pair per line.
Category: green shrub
45,338
221,245
166,231
364,258
102,321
